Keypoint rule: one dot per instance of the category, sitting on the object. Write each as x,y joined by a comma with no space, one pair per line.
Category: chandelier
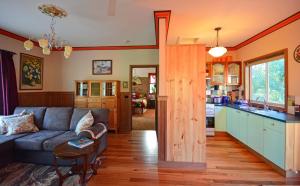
50,40
217,51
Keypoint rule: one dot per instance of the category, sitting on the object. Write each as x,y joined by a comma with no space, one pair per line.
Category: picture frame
102,67
125,84
31,72
297,54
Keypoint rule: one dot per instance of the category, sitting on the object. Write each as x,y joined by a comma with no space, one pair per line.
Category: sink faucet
266,107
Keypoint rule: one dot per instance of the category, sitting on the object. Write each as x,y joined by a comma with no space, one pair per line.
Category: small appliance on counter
225,100
217,100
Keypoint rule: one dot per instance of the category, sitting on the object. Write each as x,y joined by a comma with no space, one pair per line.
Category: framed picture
31,72
125,84
297,54
102,67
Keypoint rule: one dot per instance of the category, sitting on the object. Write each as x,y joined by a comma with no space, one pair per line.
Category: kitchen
249,100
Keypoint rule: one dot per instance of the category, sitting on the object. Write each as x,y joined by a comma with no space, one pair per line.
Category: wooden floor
131,159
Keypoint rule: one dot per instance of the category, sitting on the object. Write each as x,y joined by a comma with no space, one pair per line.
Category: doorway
143,90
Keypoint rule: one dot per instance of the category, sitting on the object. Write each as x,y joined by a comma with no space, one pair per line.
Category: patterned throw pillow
85,122
3,126
20,124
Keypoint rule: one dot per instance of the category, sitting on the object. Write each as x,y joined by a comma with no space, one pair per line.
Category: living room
69,77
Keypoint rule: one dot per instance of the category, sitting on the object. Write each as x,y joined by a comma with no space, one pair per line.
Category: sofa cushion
38,112
4,138
57,118
21,124
51,143
100,116
35,141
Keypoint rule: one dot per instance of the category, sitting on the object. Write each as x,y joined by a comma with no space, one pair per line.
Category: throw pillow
85,122
3,126
20,124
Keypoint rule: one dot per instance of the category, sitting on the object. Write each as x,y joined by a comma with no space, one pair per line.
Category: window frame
260,60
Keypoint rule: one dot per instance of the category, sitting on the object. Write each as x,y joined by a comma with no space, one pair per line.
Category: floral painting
31,72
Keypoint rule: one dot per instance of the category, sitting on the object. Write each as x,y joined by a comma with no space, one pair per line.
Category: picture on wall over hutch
102,67
224,73
100,94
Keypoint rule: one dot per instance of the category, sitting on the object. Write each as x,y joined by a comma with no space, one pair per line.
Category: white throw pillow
3,126
20,124
85,122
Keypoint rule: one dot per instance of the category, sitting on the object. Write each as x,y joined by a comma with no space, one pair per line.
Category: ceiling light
49,41
217,51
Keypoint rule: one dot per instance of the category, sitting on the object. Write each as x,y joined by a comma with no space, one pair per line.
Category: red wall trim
162,14
15,36
269,30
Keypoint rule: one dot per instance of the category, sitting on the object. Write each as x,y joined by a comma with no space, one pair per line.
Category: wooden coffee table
67,152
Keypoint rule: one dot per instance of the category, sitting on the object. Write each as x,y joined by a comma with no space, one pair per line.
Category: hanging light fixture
49,41
217,51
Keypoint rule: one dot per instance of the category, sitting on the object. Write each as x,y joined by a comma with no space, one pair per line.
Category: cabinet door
111,105
236,123
220,118
255,133
95,89
274,141
233,73
274,147
243,126
218,73
229,121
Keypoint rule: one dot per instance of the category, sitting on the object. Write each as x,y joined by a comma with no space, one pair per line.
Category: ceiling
89,23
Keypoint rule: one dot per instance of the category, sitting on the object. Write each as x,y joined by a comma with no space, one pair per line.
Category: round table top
65,150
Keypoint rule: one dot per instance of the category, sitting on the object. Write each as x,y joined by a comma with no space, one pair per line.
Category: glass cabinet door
109,88
95,88
82,88
218,73
233,76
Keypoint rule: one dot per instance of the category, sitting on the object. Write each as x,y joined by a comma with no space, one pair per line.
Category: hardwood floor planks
131,160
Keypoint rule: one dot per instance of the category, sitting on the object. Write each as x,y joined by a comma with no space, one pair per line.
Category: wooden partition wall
185,139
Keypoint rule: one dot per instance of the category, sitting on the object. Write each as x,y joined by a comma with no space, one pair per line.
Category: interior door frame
131,67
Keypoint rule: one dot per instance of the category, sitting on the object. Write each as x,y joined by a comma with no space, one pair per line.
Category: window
267,79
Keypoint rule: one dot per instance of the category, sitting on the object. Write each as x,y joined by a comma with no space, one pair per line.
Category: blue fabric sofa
56,125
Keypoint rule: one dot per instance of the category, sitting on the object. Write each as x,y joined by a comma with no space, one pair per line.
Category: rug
24,174
144,121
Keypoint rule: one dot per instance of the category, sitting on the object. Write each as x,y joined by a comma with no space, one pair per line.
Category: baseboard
182,165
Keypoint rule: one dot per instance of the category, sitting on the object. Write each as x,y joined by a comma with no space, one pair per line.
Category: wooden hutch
100,94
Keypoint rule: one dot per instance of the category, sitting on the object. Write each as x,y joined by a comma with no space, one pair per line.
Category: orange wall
286,37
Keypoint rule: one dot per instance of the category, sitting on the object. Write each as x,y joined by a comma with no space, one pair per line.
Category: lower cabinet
265,136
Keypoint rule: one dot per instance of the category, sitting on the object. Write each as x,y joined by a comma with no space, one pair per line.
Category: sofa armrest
94,132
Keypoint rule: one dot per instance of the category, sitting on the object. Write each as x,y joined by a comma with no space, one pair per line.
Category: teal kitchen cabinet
220,118
255,132
274,142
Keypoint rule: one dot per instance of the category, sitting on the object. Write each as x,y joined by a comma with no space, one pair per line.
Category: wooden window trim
283,52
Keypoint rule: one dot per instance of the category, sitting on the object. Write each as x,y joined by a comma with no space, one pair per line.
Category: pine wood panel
131,160
292,159
47,99
185,66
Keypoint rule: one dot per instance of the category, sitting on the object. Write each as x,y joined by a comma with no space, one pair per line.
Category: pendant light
217,51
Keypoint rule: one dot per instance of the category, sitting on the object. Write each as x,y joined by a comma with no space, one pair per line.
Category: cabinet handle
273,124
264,129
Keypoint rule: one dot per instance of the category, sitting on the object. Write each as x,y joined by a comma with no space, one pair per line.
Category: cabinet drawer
94,100
274,125
94,105
110,104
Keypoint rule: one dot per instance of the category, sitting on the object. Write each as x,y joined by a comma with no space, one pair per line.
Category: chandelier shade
217,51
28,45
43,43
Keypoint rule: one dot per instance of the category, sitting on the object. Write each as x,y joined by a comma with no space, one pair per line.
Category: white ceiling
88,23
